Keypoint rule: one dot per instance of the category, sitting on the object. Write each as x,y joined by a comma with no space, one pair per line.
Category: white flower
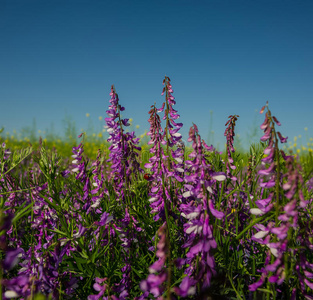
256,211
179,160
10,294
187,194
177,134
153,199
274,251
209,189
261,234
192,229
221,177
192,215
96,203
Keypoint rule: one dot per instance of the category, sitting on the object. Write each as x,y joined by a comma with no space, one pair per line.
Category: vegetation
124,219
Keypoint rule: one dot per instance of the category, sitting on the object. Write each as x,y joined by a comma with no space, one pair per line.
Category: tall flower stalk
230,133
198,208
165,163
155,282
123,157
286,203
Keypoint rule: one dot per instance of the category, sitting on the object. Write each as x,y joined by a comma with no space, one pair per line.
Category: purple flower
154,283
186,288
12,258
285,195
17,287
198,208
123,149
99,286
5,224
230,133
167,164
78,164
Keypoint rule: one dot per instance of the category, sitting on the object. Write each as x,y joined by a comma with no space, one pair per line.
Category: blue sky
59,58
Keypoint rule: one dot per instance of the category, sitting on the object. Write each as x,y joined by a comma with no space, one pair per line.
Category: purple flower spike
12,257
17,287
167,164
5,224
198,200
186,288
99,286
286,196
123,149
282,139
230,133
155,282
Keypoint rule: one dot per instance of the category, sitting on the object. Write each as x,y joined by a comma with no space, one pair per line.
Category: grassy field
123,218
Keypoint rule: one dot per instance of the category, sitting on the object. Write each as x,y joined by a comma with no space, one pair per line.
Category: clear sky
59,58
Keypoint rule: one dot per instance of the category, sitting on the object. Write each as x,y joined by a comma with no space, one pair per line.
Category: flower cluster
167,163
156,166
123,157
192,226
154,284
198,207
230,133
286,201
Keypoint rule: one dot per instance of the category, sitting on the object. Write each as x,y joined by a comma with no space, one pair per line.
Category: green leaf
58,231
23,212
16,158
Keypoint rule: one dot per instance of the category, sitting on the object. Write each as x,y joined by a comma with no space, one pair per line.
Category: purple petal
308,283
217,214
158,265
12,258
273,279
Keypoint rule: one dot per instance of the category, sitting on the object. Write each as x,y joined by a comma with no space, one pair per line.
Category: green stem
123,150
167,124
168,237
257,220
234,288
277,181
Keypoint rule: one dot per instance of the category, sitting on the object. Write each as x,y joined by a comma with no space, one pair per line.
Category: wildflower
78,163
156,164
158,273
166,164
123,145
12,258
196,204
230,133
5,225
17,287
287,210
99,286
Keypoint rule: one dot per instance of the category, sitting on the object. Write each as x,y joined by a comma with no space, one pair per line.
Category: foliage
119,220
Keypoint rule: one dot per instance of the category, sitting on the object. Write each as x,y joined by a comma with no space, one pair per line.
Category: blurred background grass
96,138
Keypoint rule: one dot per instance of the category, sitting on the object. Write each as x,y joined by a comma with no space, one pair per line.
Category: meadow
154,218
